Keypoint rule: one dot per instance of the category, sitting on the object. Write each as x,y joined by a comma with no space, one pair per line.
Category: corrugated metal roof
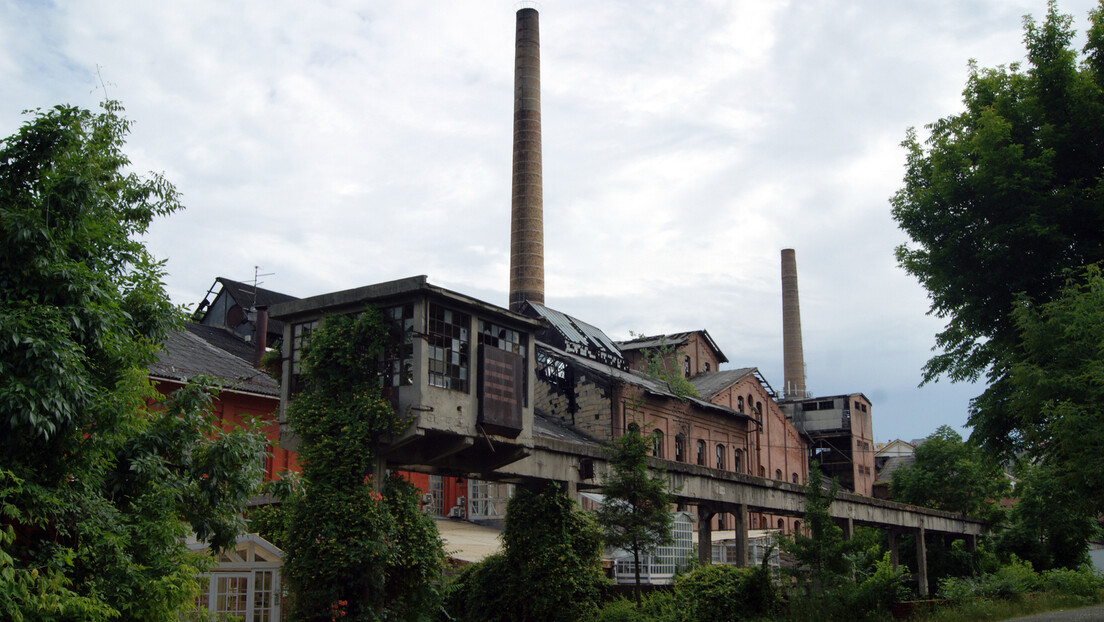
582,338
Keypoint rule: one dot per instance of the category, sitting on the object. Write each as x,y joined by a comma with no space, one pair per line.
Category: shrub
719,592
1083,583
620,610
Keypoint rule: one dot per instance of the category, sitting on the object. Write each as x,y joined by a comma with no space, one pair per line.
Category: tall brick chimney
527,202
793,358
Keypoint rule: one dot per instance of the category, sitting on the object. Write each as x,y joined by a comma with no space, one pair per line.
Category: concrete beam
557,459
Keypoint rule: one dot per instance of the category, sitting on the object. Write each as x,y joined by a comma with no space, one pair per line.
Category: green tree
352,550
549,570
636,515
823,555
1057,385
1051,524
97,489
1002,200
950,474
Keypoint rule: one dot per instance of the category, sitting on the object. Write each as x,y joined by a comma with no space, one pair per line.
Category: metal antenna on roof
256,281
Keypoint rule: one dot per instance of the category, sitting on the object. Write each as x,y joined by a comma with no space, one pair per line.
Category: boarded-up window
501,390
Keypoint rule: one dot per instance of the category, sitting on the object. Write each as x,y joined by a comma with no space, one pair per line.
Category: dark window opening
300,339
657,443
720,456
701,453
680,442
737,461
686,366
398,360
448,341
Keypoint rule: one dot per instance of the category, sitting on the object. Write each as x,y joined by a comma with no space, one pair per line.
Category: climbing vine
356,549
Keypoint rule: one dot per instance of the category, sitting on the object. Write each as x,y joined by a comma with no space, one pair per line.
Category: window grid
398,364
448,348
300,339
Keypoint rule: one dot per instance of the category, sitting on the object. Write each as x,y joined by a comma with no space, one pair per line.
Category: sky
335,144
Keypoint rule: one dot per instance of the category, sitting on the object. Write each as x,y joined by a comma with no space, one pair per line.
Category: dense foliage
1002,201
722,592
356,549
950,474
636,515
550,567
1057,386
819,548
97,489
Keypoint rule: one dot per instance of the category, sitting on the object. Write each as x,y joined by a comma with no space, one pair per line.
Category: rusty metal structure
527,200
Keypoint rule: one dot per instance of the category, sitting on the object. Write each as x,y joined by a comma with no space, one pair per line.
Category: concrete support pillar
921,561
891,542
741,527
379,473
848,528
705,535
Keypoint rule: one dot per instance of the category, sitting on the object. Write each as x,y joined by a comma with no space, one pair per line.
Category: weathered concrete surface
560,460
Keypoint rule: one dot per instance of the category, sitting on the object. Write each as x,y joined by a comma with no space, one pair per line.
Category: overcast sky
338,144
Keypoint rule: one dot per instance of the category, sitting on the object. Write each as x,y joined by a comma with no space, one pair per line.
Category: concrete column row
705,540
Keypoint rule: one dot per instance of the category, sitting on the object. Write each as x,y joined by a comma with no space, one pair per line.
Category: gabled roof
637,379
248,296
896,445
710,384
186,355
576,336
674,339
885,474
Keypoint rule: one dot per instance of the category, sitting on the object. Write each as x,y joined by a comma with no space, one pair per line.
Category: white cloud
338,144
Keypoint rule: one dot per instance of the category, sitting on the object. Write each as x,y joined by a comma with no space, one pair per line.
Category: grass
984,610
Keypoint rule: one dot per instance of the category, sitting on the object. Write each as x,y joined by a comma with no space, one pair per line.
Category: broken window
701,453
720,456
398,360
449,348
300,339
657,443
680,448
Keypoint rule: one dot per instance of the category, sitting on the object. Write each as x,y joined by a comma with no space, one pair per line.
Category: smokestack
527,202
793,359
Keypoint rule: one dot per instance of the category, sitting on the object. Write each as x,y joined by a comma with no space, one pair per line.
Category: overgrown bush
1083,583
720,592
1008,582
549,570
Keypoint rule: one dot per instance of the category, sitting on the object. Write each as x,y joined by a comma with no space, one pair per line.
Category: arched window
635,429
737,461
762,471
740,403
701,453
781,525
793,478
707,367
720,456
686,366
759,410
680,448
657,444
797,526
778,474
